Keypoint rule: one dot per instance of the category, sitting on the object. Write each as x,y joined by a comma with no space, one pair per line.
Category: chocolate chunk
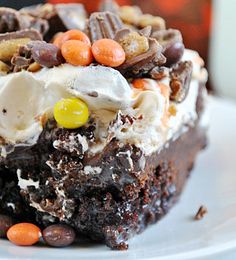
172,43
144,62
60,17
201,213
109,6
44,54
180,79
159,73
12,20
103,25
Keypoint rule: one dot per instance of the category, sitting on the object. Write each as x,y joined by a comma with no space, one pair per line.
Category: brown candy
145,59
103,25
109,6
172,43
180,79
59,235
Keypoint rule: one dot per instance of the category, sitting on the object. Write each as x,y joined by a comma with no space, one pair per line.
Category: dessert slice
104,149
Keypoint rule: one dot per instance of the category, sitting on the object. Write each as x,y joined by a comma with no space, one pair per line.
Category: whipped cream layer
27,100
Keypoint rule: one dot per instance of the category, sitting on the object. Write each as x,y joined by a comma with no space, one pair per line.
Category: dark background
19,3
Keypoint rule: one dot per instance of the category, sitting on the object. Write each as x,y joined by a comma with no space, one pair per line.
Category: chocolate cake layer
118,195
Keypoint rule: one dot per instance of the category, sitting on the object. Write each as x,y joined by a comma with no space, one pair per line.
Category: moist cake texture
125,168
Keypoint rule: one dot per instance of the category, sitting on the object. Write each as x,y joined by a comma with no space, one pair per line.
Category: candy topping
77,53
108,52
71,113
71,35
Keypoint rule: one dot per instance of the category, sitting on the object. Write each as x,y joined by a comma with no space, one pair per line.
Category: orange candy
77,53
142,84
71,35
24,234
139,84
108,52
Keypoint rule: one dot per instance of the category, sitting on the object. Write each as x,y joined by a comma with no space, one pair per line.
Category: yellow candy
71,113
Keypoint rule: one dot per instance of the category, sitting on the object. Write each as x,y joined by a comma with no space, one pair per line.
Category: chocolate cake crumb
201,213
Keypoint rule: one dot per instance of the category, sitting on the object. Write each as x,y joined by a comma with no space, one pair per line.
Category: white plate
178,236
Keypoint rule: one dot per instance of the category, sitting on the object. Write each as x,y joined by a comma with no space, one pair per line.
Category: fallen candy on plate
108,52
59,235
71,113
24,234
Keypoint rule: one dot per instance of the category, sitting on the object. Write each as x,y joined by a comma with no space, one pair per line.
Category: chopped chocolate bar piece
103,25
60,17
23,34
73,16
180,78
44,54
11,42
201,213
172,43
109,6
145,55
12,20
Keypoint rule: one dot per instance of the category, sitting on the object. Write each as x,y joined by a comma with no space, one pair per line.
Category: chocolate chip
59,235
201,213
4,111
172,43
180,79
5,223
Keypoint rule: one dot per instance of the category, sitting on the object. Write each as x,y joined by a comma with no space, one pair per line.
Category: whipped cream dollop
27,99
